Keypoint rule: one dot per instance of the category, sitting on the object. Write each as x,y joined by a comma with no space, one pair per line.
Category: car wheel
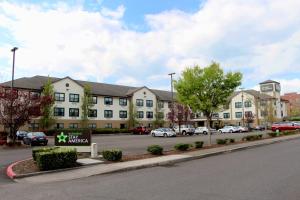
204,132
183,132
240,131
153,134
220,132
165,135
230,131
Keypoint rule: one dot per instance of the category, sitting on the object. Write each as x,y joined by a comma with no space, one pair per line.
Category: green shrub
221,141
260,136
252,137
292,132
38,150
58,158
199,144
155,149
231,140
112,155
272,134
182,146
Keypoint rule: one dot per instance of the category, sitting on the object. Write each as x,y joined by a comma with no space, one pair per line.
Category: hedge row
94,131
225,141
35,151
112,155
55,158
252,137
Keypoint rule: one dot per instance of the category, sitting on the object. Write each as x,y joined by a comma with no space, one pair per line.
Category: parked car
163,132
228,129
21,134
204,130
35,138
185,129
242,129
141,130
259,128
285,126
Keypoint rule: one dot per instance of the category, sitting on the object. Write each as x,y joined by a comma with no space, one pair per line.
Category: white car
204,130
185,129
163,132
242,129
228,129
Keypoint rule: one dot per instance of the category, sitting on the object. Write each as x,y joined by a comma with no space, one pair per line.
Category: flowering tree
179,114
18,107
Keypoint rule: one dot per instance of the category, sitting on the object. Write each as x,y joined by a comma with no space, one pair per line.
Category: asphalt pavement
130,144
265,173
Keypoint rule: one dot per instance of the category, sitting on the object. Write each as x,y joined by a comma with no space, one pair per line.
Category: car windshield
38,134
166,129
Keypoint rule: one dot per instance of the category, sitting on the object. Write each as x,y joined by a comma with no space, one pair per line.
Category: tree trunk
208,128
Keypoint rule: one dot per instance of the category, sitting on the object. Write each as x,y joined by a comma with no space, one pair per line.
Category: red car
141,130
285,126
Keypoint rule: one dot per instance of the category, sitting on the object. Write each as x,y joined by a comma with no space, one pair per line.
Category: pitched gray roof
104,89
269,81
255,93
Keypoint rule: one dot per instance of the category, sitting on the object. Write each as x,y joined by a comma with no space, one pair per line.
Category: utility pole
11,93
171,74
243,110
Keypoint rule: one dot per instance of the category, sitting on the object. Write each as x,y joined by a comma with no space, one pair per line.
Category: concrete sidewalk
138,164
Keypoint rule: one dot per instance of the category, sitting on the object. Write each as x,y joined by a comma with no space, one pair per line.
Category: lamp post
171,74
243,110
11,92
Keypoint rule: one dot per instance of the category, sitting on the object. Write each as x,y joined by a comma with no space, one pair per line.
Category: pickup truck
184,130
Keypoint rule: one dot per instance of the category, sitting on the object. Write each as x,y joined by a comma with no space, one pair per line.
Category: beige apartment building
110,102
250,107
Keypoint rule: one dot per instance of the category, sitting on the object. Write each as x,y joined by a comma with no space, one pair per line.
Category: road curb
9,170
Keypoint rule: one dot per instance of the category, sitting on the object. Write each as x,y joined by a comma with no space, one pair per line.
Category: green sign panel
73,139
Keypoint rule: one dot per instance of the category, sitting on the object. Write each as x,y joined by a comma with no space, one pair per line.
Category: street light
11,90
243,115
171,74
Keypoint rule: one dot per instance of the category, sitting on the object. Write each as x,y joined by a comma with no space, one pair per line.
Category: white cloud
259,37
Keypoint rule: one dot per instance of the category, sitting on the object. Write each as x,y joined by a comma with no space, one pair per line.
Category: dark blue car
35,138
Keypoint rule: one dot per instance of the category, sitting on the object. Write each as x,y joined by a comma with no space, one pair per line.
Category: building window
123,114
215,115
92,125
73,97
238,104
74,112
238,115
248,104
73,125
94,99
160,115
123,126
149,115
140,114
139,102
59,96
108,125
263,103
149,103
108,100
59,112
160,104
34,95
248,114
34,126
93,113
226,115
263,113
60,125
123,102
108,113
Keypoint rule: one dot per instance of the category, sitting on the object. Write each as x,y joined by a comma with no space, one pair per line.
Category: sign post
81,140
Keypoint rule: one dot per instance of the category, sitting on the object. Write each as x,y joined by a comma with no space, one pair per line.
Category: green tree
132,121
47,119
206,89
86,105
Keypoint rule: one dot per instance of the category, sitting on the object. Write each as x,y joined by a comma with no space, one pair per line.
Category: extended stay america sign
81,138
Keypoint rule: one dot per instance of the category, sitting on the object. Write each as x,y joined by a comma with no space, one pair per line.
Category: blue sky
138,43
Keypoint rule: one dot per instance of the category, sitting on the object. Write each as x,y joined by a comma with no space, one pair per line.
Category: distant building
294,103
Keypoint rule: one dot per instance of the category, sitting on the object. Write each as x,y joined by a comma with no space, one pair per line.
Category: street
265,173
130,144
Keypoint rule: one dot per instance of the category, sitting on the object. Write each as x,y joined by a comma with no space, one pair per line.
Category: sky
139,42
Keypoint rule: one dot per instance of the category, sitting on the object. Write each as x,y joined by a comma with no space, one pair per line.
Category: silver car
163,132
